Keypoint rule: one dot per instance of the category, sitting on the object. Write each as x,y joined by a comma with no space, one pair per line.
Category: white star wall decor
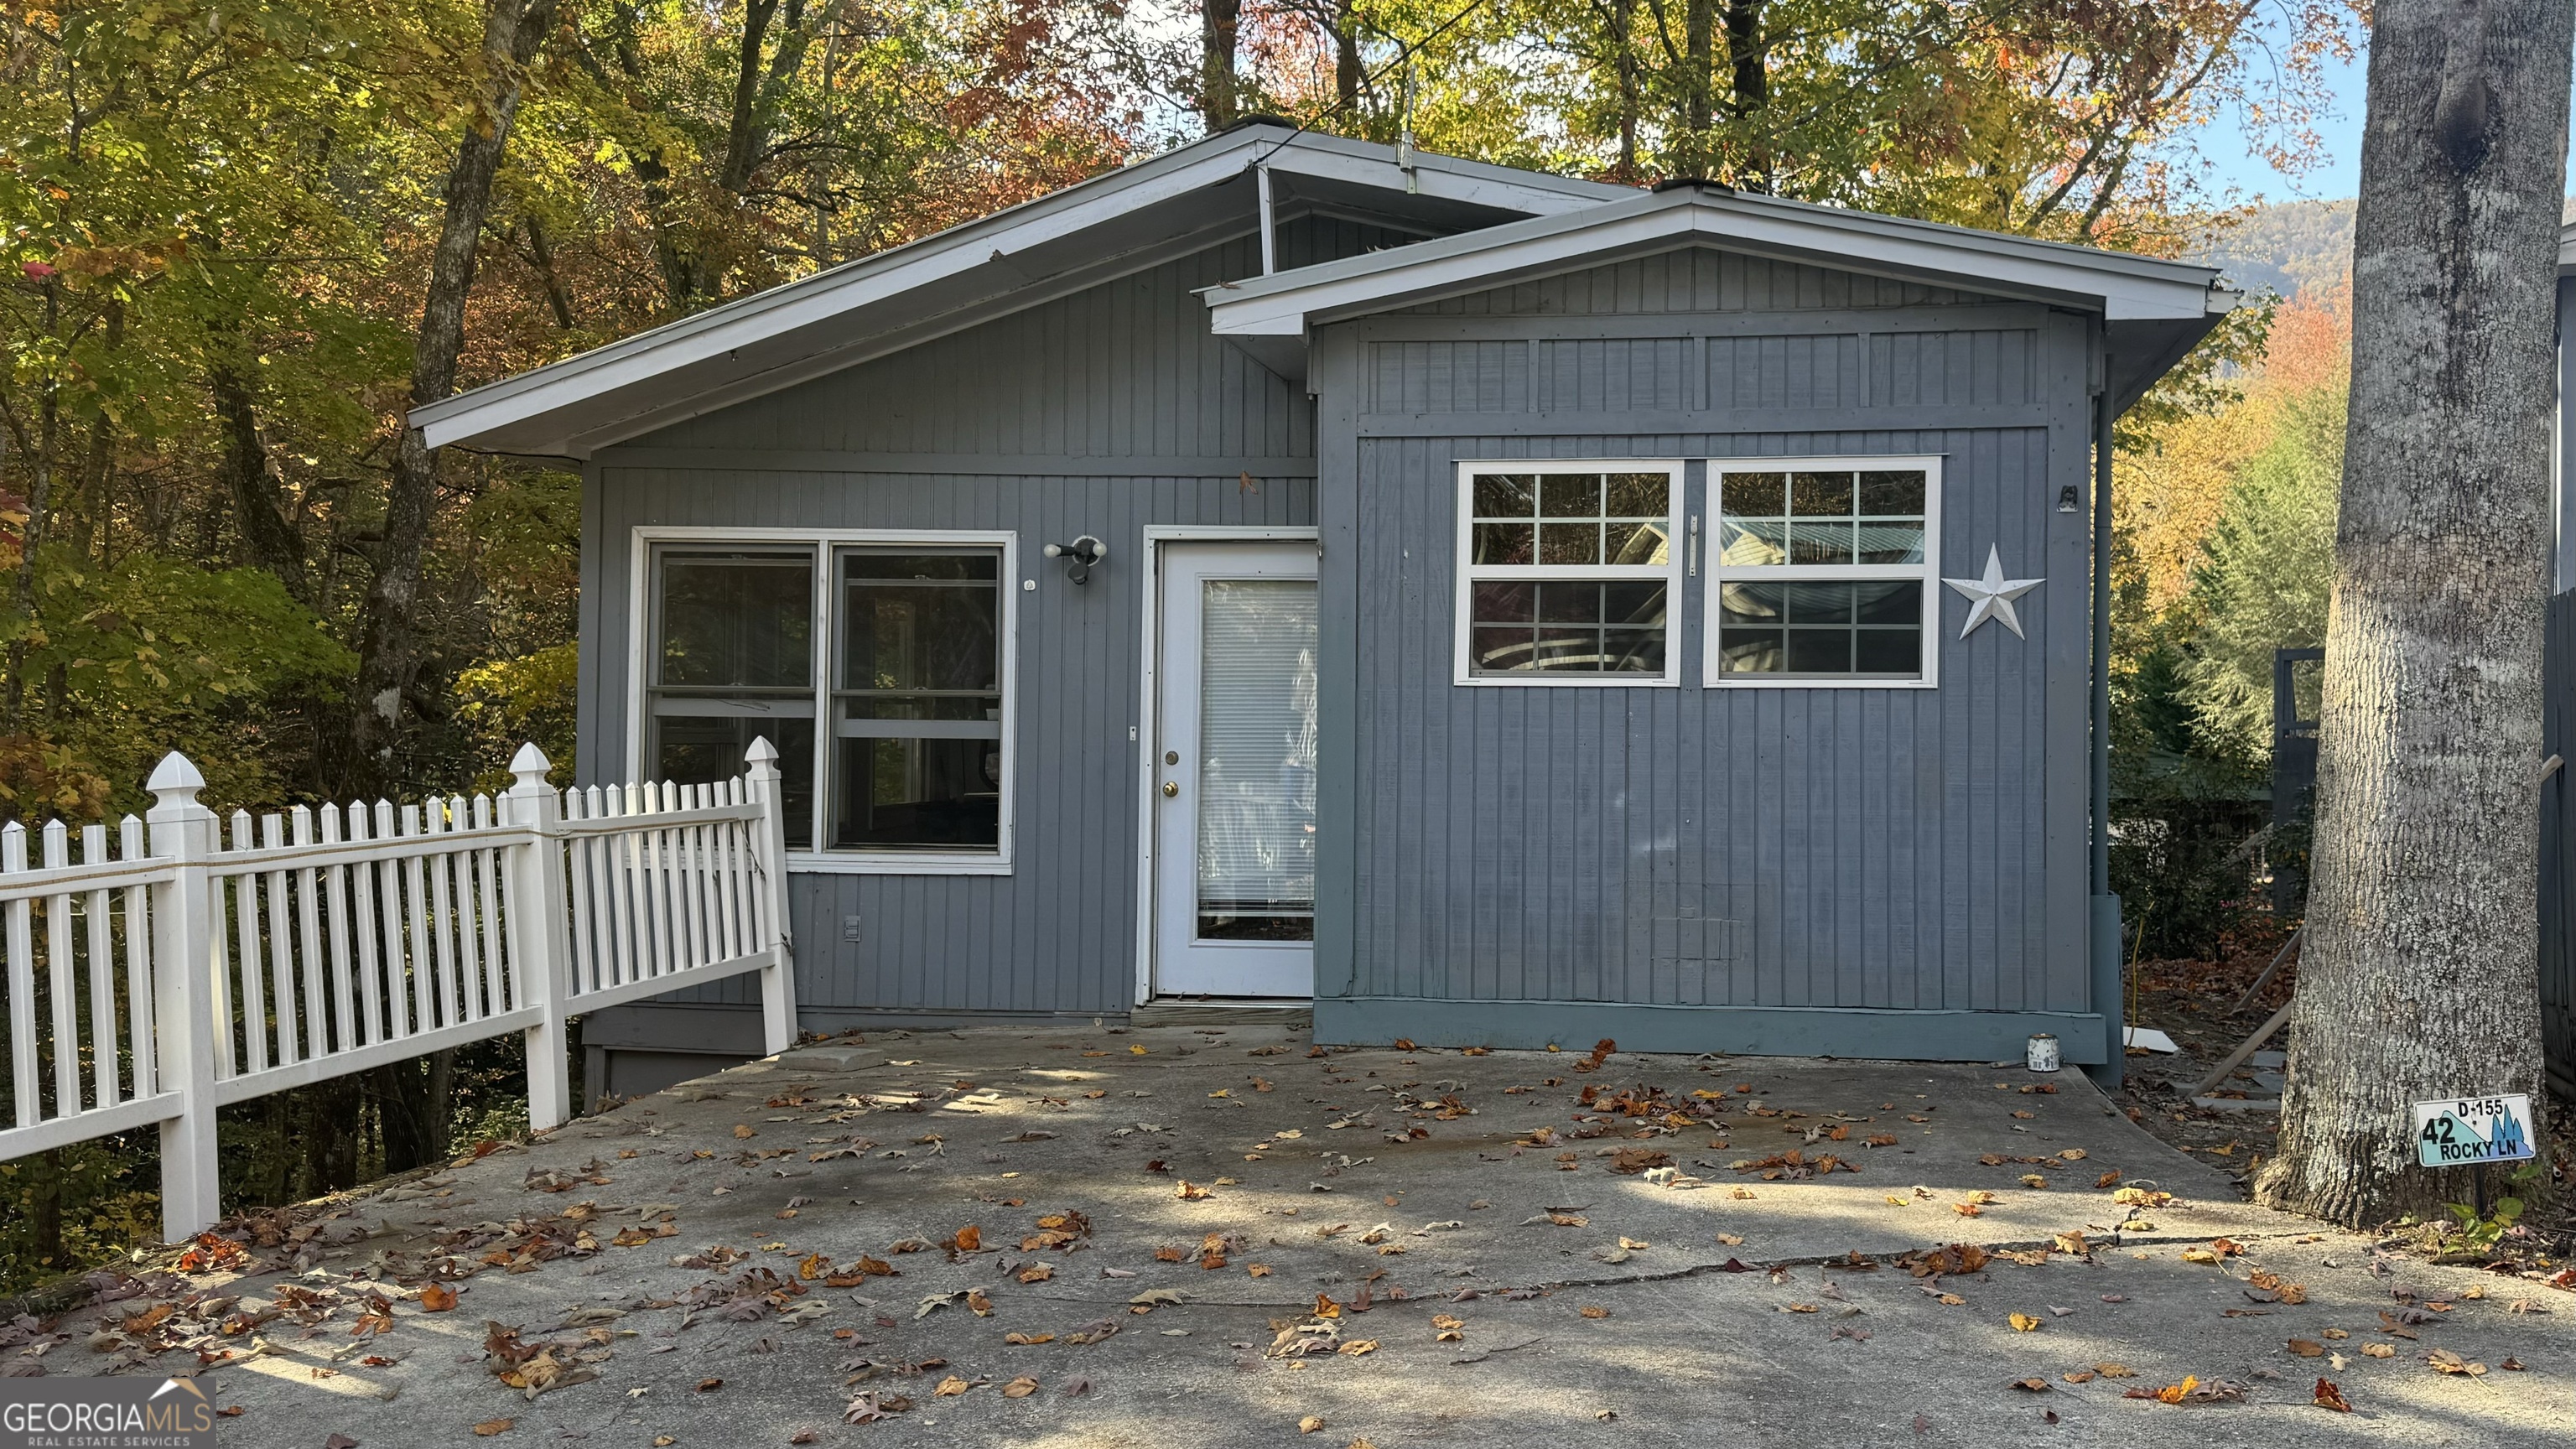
1992,597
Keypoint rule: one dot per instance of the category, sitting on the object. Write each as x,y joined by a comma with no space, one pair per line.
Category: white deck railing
153,987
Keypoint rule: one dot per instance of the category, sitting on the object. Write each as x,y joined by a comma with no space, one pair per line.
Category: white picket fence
153,986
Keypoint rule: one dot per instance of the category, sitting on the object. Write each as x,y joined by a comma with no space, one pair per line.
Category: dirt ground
1225,1236
2195,1002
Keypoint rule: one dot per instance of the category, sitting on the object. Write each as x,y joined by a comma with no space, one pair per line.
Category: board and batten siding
1850,871
1102,413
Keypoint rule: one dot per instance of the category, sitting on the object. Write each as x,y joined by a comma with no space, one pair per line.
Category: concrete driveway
1116,1237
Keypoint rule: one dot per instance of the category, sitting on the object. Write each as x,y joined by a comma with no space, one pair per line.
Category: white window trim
823,540
1929,570
1461,655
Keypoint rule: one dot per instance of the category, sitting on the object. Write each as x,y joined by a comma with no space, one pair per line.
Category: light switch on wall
850,929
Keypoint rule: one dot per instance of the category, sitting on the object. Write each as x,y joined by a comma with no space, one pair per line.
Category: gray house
1490,607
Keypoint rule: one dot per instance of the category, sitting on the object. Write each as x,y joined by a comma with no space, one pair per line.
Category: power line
1403,55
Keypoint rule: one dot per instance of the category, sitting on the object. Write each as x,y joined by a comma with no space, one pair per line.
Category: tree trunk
541,260
1695,157
389,650
1750,100
1623,41
1219,20
755,88
2420,976
268,536
1347,69
40,489
412,1103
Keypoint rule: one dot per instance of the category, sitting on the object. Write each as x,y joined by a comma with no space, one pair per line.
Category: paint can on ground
2042,1054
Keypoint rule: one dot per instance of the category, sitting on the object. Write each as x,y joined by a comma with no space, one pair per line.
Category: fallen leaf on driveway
2446,1362
1357,1347
2307,1348
1310,1423
744,1130
2078,1376
2108,1179
2379,1350
437,1298
2030,1386
709,1386
2115,1371
953,1385
490,1427
2023,1323
2330,1396
1448,1329
1191,1191
1026,1339
869,1407
2511,1365
2169,1394
1594,1311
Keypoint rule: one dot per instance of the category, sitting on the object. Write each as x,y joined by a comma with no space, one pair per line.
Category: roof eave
2117,286
508,414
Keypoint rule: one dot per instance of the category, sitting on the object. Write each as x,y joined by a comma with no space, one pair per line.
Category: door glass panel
1256,805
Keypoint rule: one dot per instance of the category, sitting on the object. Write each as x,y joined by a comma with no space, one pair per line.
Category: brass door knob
1171,788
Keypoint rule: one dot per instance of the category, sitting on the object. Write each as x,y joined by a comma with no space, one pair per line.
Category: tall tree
1220,31
390,648
2420,978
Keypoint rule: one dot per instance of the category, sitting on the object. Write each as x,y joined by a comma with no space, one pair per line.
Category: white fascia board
651,354
648,416
2121,287
637,361
1498,187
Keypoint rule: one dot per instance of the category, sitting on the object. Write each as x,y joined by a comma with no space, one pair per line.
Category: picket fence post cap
176,780
529,765
762,751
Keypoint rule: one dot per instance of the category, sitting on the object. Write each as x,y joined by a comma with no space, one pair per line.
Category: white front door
1234,771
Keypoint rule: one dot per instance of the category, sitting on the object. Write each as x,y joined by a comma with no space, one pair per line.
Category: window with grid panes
1568,571
1821,572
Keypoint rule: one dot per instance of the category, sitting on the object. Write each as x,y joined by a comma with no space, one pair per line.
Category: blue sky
2338,172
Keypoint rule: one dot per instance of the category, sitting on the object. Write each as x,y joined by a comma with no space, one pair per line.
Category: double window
879,668
1818,572
1569,572
1821,572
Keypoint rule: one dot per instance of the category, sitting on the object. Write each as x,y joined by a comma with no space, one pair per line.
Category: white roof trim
2121,286
633,365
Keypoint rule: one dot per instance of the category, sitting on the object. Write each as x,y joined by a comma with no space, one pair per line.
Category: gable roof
2153,310
1109,226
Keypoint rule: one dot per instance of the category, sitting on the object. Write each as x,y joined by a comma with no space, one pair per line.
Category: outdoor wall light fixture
1079,556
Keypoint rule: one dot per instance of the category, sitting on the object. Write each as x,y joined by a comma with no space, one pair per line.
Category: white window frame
823,541
1469,574
1712,654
